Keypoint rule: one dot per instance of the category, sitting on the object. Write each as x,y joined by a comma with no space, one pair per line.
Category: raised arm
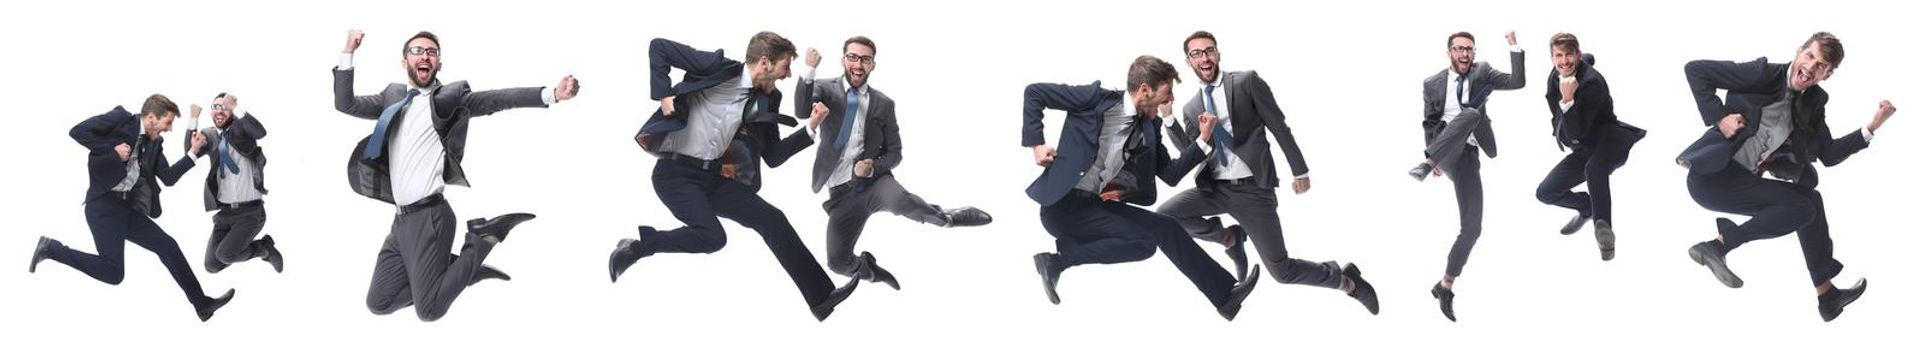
1040,96
664,55
96,133
1707,76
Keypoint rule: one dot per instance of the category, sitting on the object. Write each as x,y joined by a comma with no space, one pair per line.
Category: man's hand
1730,125
1511,37
1165,109
1884,112
567,89
1436,172
124,151
195,108
1044,155
1112,195
865,168
1301,185
195,143
813,59
1207,121
728,171
668,106
353,40
1568,86
815,117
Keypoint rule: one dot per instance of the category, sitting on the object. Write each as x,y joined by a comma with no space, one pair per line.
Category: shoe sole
1607,244
1718,269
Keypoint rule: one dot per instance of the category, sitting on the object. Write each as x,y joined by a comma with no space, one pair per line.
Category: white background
1348,76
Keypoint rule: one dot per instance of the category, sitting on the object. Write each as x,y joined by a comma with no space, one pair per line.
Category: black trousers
233,238
414,267
1092,231
114,223
1467,175
850,205
1776,208
697,197
1254,208
1584,165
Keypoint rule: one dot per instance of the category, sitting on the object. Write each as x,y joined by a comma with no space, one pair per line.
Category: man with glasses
235,186
1239,174
1454,127
420,137
860,147
1771,120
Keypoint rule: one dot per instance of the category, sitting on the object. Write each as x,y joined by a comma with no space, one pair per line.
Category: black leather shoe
877,274
1360,289
489,273
967,217
1831,304
626,254
1576,223
1045,265
41,251
1606,239
1445,299
1422,171
835,297
206,307
271,254
1238,253
1708,254
496,230
1234,304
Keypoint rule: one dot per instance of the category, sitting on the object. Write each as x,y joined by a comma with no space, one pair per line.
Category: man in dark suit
862,145
710,134
1583,118
1109,158
124,159
235,186
1454,128
1239,174
1771,120
419,139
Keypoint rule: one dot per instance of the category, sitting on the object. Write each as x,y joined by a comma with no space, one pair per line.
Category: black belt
424,203
242,205
692,162
121,195
1246,180
1084,194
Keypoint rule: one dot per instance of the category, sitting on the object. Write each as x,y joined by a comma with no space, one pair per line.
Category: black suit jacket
100,134
454,105
1077,148
243,135
881,136
1592,121
759,138
1749,86
1252,108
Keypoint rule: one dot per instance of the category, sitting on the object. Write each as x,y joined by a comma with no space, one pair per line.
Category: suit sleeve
1172,171
1512,80
244,136
171,174
1591,103
891,139
1040,96
1432,117
95,132
1707,76
1836,150
482,103
364,107
1272,117
664,55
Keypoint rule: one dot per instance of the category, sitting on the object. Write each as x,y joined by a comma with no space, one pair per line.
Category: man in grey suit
1454,128
1239,176
235,186
862,145
414,152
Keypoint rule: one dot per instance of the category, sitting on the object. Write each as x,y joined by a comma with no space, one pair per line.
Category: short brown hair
422,34
1565,41
1200,34
1828,46
859,40
1153,71
769,45
158,105
1465,35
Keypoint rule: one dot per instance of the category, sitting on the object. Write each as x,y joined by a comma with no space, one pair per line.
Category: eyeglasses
1454,48
854,58
1211,51
221,107
423,50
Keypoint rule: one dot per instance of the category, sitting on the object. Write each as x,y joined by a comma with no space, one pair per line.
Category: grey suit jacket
244,135
453,104
1252,108
1481,81
881,139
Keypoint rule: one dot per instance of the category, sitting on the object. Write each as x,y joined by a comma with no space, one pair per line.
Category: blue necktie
848,119
1219,136
379,140
225,162
1461,99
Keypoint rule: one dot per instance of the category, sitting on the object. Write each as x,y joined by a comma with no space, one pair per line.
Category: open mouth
1801,76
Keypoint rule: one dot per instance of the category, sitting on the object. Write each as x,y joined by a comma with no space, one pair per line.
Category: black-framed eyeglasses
423,50
1459,48
855,58
1211,51
220,107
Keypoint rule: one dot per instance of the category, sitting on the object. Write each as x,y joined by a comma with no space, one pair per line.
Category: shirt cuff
547,96
811,131
1516,49
1206,147
808,74
1566,105
347,62
1867,133
1303,176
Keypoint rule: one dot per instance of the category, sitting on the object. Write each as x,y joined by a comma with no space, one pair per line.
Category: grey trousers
1255,208
233,238
849,207
414,268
